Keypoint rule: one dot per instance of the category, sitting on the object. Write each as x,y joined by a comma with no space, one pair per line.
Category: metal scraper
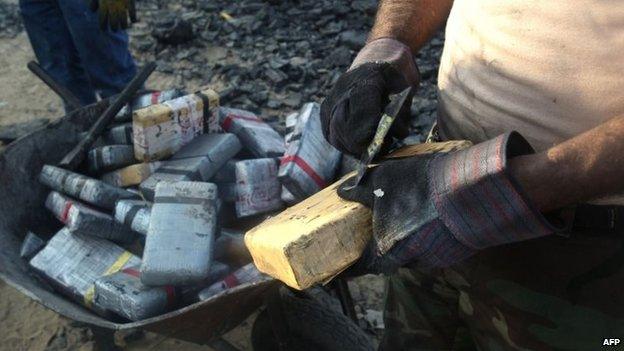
385,123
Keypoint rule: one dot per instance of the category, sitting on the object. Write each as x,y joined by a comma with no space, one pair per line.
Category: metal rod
70,99
77,154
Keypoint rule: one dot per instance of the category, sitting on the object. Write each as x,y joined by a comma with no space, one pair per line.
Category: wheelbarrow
22,209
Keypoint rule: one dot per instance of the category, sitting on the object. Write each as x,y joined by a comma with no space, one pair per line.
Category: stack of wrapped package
154,219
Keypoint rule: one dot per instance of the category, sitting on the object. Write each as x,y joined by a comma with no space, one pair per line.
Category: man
508,248
77,49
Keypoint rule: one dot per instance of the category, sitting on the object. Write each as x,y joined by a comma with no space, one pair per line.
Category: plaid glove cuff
434,246
478,201
392,51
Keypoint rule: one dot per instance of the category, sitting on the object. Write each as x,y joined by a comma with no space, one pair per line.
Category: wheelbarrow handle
70,99
77,154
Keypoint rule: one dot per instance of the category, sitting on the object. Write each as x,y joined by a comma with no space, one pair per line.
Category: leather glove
114,13
436,210
351,112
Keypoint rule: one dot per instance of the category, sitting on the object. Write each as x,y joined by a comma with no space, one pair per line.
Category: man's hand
353,108
114,13
351,112
384,66
439,209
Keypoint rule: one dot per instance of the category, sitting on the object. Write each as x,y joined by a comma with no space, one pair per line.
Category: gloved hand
439,209
114,13
351,112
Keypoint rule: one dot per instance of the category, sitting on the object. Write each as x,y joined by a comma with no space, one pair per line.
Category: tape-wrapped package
145,100
84,188
134,214
118,135
310,162
257,188
124,294
130,175
197,161
180,239
161,130
256,135
109,157
82,219
73,262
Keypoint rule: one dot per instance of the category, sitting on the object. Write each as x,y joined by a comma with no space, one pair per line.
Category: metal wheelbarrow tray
22,209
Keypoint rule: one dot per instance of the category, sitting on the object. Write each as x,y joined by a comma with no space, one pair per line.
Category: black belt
602,219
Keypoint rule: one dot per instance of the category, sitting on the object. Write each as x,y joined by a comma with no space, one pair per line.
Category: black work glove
397,192
352,110
441,208
114,13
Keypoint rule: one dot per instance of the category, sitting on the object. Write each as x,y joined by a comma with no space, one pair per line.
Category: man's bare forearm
412,22
586,167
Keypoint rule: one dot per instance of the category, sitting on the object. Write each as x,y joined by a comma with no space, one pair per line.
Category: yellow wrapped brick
130,175
161,130
321,236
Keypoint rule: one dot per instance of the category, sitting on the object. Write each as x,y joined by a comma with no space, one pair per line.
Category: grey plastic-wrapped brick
144,100
134,214
119,135
246,274
109,157
73,262
257,188
123,293
180,239
255,134
218,271
59,205
310,162
220,148
85,220
31,245
186,169
84,188
197,161
227,173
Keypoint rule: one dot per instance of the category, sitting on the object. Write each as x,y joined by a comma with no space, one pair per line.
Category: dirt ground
24,97
26,325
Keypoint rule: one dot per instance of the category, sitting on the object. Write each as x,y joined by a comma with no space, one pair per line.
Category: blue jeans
71,47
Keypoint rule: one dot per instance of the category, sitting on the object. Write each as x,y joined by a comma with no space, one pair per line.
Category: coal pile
268,57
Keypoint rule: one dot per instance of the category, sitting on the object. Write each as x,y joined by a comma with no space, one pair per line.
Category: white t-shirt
547,69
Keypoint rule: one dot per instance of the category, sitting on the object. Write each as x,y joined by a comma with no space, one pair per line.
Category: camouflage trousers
553,293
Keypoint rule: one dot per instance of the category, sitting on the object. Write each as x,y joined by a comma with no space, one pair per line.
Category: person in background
82,47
